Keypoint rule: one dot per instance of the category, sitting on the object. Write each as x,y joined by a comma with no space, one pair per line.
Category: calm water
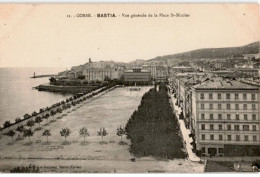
17,96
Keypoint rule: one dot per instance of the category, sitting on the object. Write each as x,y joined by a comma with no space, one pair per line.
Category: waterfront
17,95
109,111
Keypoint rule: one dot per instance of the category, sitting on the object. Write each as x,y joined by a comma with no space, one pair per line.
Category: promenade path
185,132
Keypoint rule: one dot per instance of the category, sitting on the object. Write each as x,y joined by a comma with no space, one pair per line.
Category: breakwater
65,89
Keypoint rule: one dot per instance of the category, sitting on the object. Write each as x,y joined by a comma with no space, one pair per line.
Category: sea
17,96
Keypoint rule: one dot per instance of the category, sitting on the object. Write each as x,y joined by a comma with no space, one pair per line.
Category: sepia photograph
129,88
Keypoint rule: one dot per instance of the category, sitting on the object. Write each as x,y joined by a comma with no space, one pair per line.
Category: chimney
89,60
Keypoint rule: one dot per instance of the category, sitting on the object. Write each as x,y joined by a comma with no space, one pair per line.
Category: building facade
137,75
225,116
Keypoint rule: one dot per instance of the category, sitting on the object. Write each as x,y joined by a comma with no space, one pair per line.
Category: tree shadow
10,143
38,128
66,143
46,143
103,142
84,143
28,144
123,143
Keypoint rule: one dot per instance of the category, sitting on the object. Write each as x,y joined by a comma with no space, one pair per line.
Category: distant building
94,74
137,75
225,118
158,73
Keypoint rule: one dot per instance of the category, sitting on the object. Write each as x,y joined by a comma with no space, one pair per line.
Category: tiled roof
224,84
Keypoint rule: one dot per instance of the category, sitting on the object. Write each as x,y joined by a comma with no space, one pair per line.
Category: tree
120,131
20,128
102,132
65,132
18,119
47,117
53,113
46,133
38,120
84,132
11,133
26,116
30,123
28,133
34,113
7,123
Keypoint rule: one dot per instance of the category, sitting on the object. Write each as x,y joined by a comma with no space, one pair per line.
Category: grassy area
153,129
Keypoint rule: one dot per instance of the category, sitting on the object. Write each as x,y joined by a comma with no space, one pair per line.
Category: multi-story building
93,74
225,116
137,75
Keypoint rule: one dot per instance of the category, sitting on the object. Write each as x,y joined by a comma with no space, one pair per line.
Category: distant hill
252,48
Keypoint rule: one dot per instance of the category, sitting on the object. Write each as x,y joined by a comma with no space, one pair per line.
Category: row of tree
58,106
65,132
153,129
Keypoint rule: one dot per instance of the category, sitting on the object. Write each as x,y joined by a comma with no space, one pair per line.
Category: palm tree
46,133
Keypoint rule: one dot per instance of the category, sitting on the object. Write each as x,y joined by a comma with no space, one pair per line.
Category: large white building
225,117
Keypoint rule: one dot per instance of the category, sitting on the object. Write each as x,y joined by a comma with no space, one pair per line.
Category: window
237,106
203,137
211,127
228,96
236,96
202,116
246,138
253,107
228,117
202,126
211,117
211,137
202,106
245,116
203,149
236,127
245,106
220,127
254,127
237,137
219,106
210,96
229,127
254,138
246,127
229,137
219,116
210,106
220,137
244,96
219,96
252,96
202,96
228,106
253,117
237,116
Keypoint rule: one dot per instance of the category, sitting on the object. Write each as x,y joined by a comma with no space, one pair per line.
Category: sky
43,36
